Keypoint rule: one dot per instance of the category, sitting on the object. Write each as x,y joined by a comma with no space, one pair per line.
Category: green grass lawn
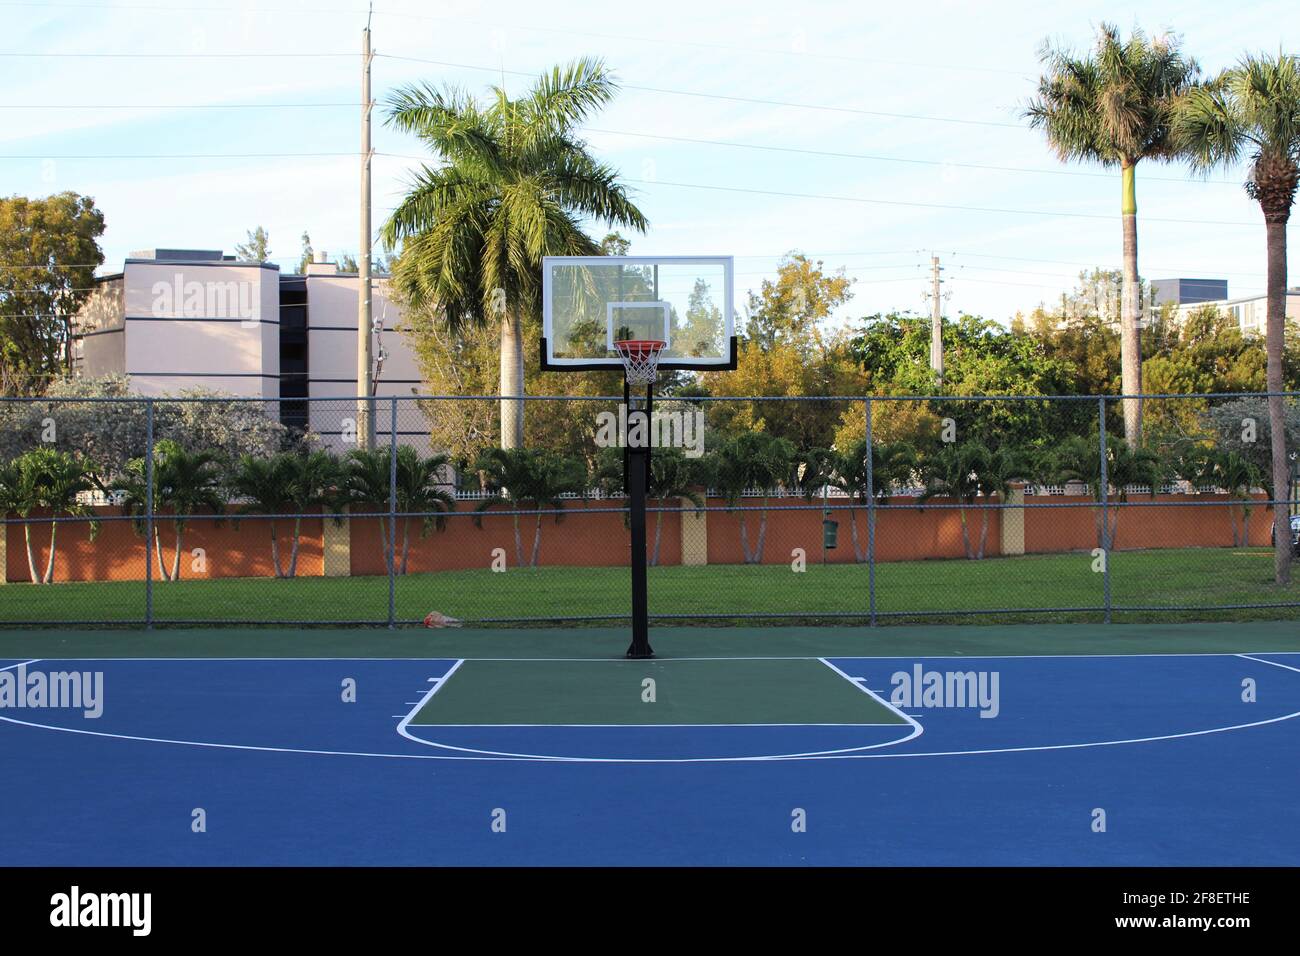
1201,577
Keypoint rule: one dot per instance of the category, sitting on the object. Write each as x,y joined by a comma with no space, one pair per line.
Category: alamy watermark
181,299
661,429
943,689
56,690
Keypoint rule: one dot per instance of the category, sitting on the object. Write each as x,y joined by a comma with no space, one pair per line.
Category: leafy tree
50,479
1114,107
1244,426
257,248
513,184
614,244
308,254
184,483
801,298
980,358
787,350
49,251
111,433
966,471
1254,109
752,461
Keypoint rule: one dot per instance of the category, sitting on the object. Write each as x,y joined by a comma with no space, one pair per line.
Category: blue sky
963,70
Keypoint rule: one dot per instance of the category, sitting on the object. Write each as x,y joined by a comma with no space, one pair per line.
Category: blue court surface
1081,759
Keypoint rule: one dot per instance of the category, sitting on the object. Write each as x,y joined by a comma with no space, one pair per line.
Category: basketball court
1034,744
755,747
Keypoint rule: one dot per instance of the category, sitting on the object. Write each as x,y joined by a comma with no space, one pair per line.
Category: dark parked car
1295,535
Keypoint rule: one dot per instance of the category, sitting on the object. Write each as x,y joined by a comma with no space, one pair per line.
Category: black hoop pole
636,467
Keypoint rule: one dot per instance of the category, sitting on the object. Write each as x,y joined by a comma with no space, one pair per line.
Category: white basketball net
640,360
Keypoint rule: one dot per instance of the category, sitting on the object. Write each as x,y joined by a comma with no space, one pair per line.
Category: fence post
1105,507
871,518
148,514
392,513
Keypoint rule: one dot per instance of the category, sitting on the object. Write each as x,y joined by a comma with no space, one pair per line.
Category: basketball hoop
640,359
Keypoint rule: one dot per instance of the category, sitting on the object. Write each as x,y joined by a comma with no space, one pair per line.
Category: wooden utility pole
365,311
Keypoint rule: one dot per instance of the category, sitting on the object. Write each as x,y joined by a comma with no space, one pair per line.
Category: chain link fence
842,510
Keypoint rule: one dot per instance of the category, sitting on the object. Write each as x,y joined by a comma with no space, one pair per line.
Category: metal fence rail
168,511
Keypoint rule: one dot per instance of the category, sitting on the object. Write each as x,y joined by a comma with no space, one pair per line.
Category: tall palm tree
1114,107
513,185
1254,110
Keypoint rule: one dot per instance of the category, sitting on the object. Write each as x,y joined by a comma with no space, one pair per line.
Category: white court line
9,667
850,756
916,731
790,657
1261,660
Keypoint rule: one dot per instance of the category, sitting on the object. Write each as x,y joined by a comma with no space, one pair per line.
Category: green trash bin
830,533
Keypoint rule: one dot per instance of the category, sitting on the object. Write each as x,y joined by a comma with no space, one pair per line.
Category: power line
101,156
899,159
169,56
534,28
698,44
925,205
758,101
174,106
1093,265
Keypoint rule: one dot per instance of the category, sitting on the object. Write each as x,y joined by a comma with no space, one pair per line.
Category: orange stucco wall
589,537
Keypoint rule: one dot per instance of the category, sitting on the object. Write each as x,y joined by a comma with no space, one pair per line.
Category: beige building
176,319
1250,312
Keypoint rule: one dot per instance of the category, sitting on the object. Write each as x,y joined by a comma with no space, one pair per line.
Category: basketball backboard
591,302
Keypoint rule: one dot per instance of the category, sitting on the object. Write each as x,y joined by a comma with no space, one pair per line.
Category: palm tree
752,461
265,483
1254,109
528,480
1078,458
184,483
672,475
45,478
1114,107
1237,476
846,471
421,492
367,479
968,471
285,482
315,482
513,185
